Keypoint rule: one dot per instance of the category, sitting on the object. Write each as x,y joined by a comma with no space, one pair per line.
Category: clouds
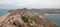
30,3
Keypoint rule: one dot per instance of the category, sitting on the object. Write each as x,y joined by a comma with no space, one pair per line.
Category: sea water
54,18
3,11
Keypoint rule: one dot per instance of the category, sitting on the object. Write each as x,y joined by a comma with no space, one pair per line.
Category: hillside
22,18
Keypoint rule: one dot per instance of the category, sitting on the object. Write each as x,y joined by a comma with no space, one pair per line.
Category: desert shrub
25,19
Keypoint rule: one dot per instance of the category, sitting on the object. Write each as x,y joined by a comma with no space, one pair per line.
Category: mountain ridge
21,18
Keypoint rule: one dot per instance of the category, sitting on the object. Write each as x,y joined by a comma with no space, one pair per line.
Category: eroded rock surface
19,18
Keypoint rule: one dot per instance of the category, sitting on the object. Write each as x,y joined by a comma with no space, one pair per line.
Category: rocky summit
23,18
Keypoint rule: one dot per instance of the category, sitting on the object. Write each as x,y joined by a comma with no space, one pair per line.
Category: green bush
25,19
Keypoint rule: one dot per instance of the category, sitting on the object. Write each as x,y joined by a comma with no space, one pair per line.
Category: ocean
3,11
54,18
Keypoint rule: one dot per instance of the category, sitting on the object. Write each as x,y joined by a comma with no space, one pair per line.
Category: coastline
2,18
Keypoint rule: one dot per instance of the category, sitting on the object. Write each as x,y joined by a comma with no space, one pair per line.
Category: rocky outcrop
18,18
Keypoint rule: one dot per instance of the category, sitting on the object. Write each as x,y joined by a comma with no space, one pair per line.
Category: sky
14,4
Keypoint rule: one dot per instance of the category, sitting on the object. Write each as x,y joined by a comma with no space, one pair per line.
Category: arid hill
22,18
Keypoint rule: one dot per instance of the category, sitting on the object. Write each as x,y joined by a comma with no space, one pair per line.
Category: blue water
54,18
3,11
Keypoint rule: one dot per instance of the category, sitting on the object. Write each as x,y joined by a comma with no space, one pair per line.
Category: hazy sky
12,4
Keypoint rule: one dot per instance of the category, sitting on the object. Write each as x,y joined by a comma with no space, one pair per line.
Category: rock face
19,18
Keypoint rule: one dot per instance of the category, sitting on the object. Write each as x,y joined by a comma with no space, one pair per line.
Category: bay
54,18
3,11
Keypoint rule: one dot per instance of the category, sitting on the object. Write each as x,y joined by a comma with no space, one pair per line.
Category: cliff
22,18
